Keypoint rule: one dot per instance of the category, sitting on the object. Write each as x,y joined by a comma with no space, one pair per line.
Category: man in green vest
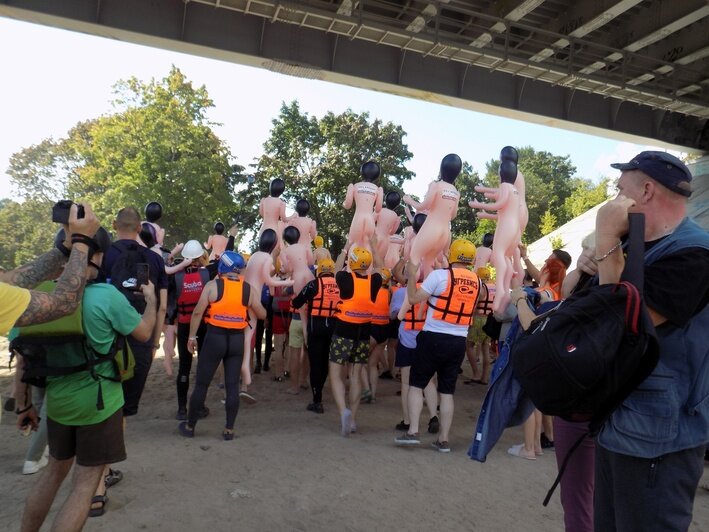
79,428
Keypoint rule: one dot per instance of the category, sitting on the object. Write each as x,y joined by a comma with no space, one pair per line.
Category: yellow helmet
360,258
386,276
326,266
318,241
461,250
484,273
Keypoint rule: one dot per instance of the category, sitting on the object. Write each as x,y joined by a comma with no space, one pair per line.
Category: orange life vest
325,302
228,312
380,309
554,289
357,309
411,320
457,302
485,306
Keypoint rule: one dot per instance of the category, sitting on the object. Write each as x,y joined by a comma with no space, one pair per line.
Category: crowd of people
389,304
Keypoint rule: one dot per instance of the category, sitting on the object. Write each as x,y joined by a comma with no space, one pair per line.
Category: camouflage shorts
343,350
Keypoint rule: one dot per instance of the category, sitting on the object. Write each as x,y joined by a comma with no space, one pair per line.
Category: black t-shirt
677,286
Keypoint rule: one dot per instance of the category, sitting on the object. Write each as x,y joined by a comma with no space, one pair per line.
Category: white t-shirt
435,284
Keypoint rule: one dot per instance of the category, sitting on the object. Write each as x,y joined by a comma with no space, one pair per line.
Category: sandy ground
289,469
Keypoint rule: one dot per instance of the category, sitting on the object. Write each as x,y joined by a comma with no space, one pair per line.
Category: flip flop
114,477
98,499
247,397
516,450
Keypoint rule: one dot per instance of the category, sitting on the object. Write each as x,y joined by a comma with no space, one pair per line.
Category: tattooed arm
65,299
44,307
47,266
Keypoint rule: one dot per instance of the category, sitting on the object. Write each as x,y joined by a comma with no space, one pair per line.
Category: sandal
114,477
100,510
228,435
280,378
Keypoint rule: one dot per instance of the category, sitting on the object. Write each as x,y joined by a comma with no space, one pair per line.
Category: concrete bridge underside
635,70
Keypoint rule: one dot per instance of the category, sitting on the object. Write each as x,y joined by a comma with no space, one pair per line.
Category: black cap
664,168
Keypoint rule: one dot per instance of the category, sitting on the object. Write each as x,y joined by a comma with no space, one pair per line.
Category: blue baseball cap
664,168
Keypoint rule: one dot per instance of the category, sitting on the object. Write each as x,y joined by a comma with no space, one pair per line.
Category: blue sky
54,78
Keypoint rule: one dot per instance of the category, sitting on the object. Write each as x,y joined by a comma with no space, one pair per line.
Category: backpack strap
634,270
575,446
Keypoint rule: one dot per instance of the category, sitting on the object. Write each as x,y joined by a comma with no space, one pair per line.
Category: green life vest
60,347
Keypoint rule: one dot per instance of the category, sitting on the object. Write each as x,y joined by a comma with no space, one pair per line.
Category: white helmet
192,249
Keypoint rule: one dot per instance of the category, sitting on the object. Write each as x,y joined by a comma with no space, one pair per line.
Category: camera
60,211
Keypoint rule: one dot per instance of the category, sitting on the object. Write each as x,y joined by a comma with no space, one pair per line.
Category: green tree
26,230
157,146
585,196
548,223
318,158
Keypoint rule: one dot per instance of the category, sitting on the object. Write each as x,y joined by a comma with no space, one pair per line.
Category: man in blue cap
650,453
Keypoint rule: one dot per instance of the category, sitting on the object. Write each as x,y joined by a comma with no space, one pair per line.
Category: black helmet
508,171
392,199
277,187
153,211
370,171
450,167
418,222
302,207
291,234
267,241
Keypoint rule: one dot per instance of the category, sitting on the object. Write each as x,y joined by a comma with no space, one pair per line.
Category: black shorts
404,355
437,353
393,329
379,333
93,445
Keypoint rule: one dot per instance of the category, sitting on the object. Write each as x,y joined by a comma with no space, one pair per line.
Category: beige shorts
295,334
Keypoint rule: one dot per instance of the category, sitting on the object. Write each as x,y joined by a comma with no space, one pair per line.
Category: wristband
192,338
519,299
78,238
26,409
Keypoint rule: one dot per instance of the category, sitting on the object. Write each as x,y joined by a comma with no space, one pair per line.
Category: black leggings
225,345
260,330
183,372
319,337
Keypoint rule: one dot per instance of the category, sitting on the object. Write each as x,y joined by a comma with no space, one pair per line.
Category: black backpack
124,272
580,360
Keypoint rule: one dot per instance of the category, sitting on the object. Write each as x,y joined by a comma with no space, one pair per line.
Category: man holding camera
23,306
81,428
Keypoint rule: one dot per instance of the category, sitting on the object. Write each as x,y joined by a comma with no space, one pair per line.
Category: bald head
127,222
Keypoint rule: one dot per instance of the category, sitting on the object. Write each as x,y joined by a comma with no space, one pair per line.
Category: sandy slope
289,469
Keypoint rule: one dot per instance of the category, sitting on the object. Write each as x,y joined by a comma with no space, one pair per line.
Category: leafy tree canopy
157,146
318,158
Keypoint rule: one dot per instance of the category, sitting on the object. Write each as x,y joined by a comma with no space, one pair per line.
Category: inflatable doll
320,252
272,208
367,198
153,212
441,206
295,260
387,222
216,242
304,223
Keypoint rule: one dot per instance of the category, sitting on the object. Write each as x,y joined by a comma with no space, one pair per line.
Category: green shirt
71,400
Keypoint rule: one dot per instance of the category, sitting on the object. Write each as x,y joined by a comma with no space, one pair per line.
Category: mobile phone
142,273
